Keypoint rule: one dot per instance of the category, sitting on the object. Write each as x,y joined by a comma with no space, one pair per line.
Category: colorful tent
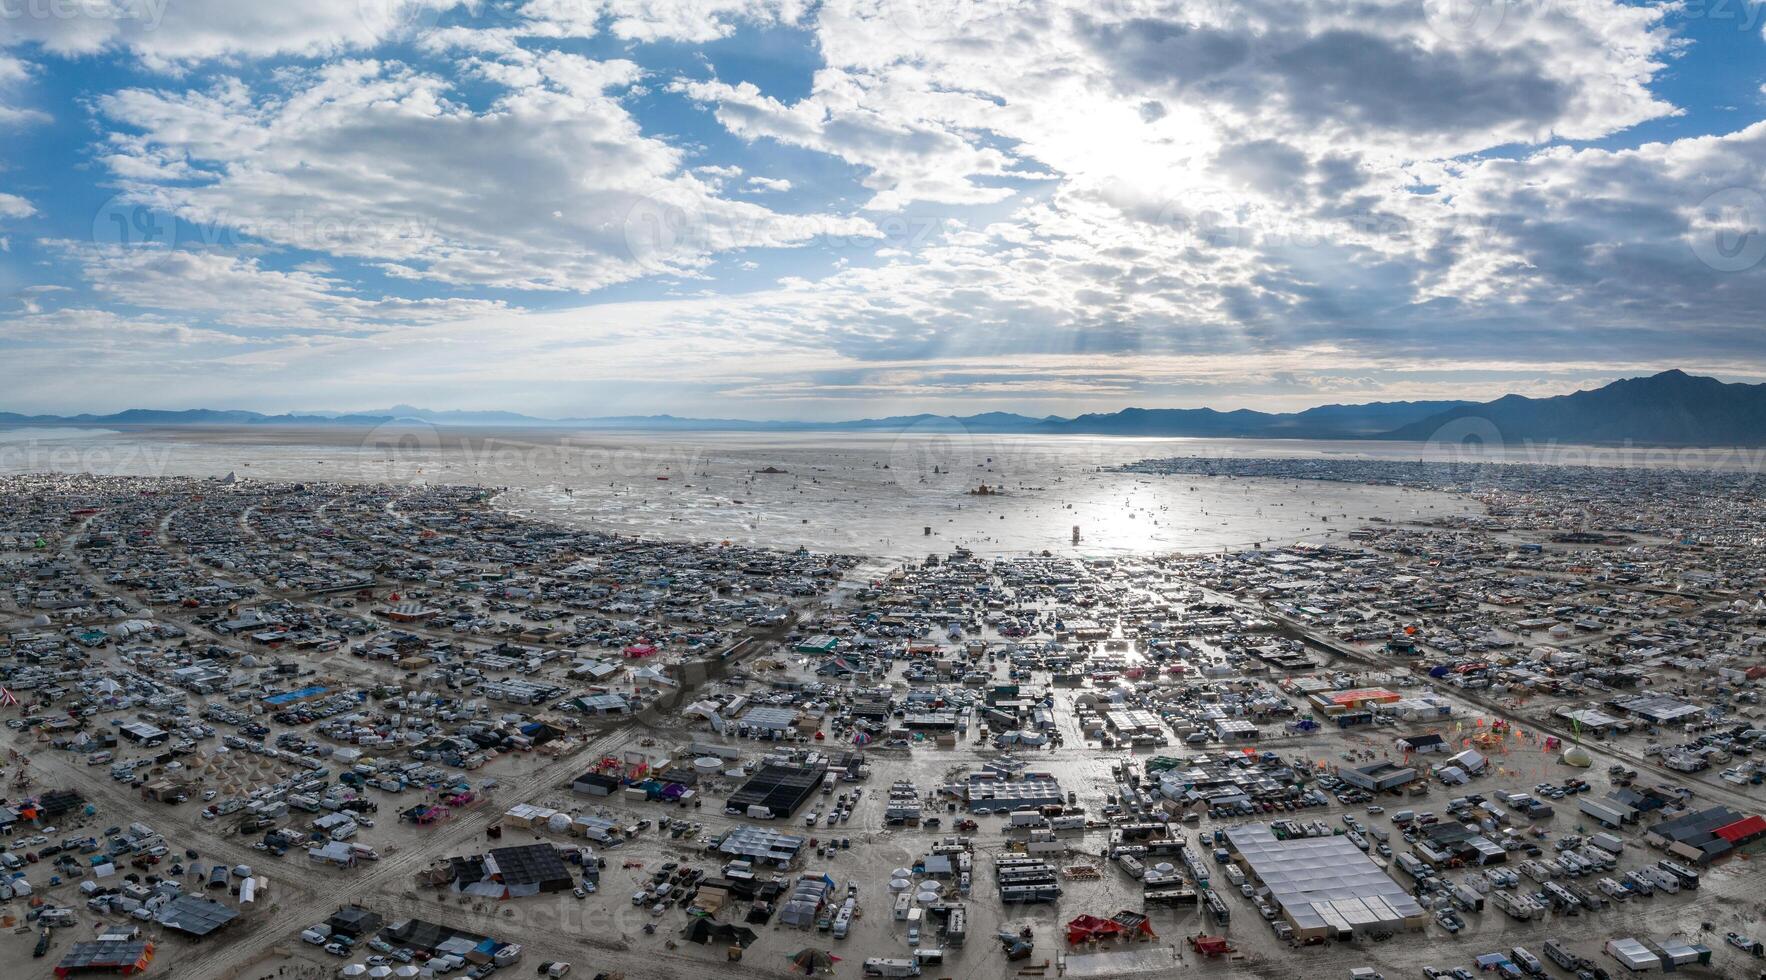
810,961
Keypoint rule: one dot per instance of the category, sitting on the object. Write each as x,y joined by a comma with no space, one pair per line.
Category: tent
811,961
707,930
1471,760
1090,928
1211,945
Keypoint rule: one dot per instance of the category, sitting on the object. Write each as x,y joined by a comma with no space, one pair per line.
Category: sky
757,209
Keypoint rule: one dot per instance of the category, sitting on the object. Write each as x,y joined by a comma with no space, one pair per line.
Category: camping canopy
811,960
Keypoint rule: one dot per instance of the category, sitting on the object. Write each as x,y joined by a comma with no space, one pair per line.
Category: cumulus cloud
13,73
908,159
167,33
13,206
240,291
551,186
993,199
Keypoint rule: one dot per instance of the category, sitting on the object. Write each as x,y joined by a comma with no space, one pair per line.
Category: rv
1557,953
878,967
1664,881
1688,878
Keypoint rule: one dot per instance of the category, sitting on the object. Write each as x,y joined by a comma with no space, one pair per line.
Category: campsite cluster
514,743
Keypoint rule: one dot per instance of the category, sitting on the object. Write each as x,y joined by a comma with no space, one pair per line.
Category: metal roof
1323,880
195,915
104,954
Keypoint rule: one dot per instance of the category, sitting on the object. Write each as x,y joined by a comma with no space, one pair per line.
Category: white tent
1471,760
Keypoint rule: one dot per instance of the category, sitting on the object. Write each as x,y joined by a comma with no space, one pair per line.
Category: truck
1412,865
1610,815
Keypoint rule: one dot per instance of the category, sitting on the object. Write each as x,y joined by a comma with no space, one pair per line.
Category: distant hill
1323,422
1668,409
193,416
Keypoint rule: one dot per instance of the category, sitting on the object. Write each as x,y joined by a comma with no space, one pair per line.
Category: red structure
1743,831
1126,925
1211,945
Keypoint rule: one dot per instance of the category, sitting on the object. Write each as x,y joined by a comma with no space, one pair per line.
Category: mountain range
1672,408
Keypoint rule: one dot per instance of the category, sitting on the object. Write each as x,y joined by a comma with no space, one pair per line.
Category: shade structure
899,884
353,970
811,960
1323,884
